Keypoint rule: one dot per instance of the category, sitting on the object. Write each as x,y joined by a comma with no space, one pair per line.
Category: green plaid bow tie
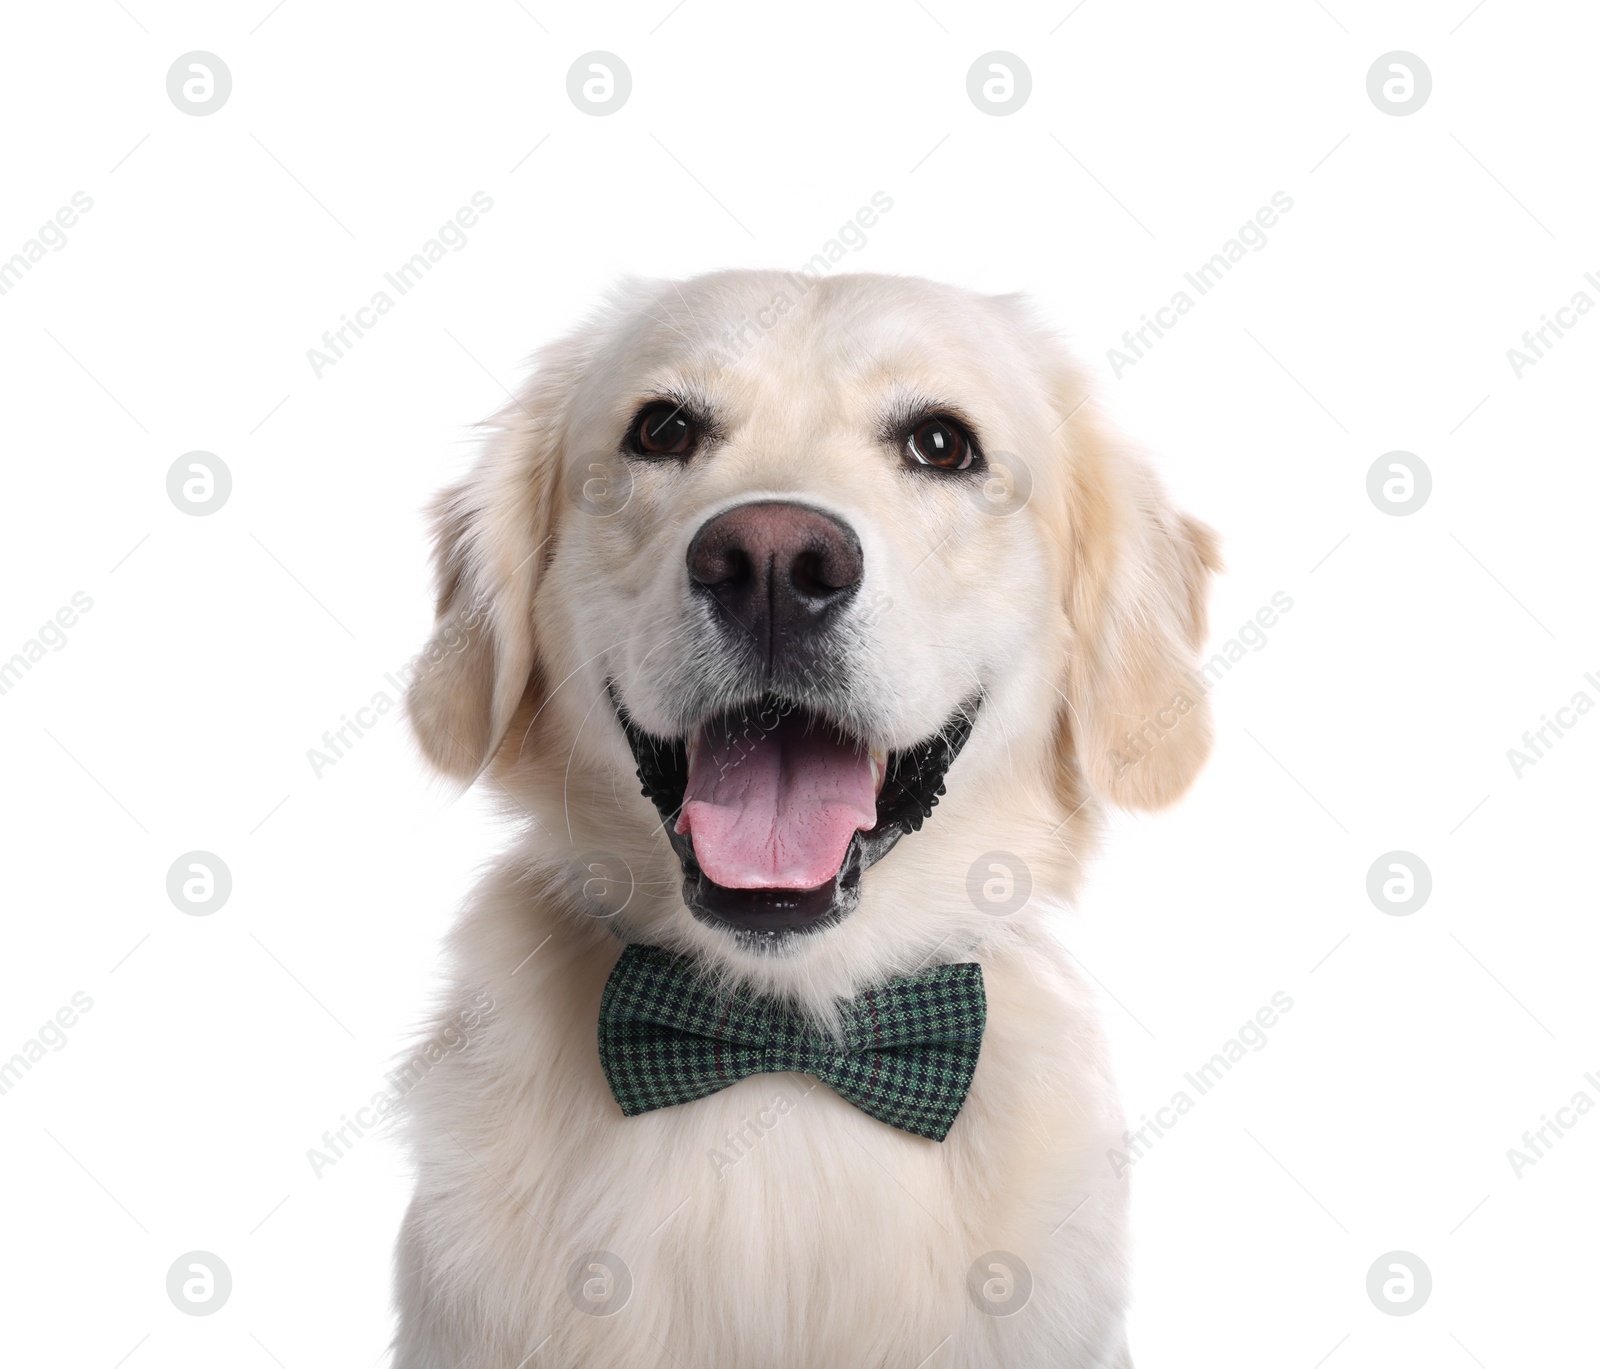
909,1048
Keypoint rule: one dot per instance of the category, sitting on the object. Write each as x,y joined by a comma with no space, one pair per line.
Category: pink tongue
774,806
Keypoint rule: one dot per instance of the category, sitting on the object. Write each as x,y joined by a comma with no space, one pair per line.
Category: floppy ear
1139,724
491,540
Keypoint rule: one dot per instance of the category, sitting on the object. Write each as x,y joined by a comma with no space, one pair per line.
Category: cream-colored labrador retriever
803,627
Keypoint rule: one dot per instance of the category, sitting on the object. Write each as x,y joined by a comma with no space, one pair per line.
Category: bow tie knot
906,1056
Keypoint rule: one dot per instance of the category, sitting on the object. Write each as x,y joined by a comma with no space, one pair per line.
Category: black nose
778,570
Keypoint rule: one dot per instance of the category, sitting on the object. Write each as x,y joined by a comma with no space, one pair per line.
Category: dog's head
809,619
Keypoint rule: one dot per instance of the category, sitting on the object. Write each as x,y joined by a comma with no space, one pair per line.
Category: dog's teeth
693,748
880,764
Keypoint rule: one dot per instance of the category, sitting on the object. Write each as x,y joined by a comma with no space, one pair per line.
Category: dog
803,627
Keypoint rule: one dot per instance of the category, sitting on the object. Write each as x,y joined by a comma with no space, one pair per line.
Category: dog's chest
772,1223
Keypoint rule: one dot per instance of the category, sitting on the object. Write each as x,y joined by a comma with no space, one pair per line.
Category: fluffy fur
1072,596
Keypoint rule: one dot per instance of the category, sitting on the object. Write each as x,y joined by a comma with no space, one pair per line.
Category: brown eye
664,430
938,442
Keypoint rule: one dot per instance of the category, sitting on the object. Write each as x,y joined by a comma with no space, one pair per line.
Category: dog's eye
664,429
939,442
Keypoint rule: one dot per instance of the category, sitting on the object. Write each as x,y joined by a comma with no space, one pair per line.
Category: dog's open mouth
775,811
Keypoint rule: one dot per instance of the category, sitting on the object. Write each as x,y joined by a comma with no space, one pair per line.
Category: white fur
823,1237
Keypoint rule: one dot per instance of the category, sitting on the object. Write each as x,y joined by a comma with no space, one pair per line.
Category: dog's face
843,577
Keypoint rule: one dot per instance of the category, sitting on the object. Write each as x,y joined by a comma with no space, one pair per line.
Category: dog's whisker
566,679
566,775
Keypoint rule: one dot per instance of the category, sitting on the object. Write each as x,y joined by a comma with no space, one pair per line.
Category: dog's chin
763,902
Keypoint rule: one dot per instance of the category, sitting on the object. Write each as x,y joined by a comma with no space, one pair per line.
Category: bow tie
906,1056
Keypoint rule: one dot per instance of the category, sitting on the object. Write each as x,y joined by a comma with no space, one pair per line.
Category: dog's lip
685,734
909,787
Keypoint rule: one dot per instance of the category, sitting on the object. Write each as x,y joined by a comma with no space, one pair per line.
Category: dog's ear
1137,726
492,536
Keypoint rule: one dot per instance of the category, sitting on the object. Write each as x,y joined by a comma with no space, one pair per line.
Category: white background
178,713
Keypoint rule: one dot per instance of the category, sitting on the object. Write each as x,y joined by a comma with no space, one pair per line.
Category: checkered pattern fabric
909,1048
